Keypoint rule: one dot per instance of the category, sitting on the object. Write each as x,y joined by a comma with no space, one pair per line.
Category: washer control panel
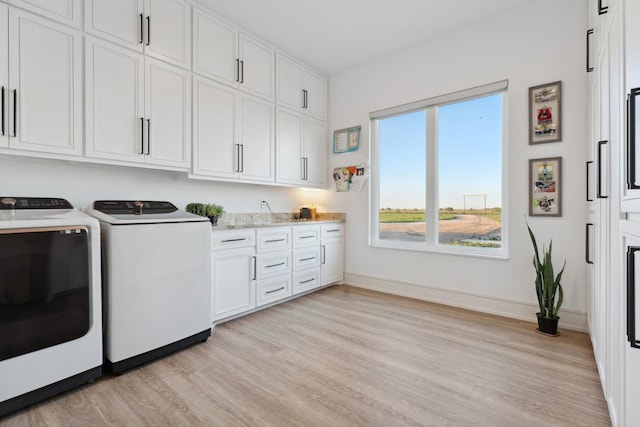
11,203
137,207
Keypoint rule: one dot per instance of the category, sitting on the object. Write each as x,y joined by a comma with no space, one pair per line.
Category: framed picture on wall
545,187
545,113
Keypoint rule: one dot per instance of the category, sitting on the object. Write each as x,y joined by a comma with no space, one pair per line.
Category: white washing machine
50,300
156,280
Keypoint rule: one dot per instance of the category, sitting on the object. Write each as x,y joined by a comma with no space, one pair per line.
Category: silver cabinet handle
255,267
275,290
275,265
141,135
15,113
148,137
275,240
234,240
307,259
324,254
307,281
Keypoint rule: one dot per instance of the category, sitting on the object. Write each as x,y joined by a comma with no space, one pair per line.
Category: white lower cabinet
332,246
255,268
232,273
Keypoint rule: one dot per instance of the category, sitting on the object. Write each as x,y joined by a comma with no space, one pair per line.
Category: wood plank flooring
345,356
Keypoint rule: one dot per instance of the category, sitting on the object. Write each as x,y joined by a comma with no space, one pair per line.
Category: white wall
540,42
82,183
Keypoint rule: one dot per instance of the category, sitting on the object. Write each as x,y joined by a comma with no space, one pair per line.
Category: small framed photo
545,187
545,113
345,140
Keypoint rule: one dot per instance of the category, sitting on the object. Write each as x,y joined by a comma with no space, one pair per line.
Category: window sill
490,253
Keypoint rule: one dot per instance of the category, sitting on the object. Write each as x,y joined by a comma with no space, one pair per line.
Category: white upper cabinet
168,114
301,150
159,28
224,54
257,67
215,48
214,129
137,109
300,88
65,11
43,92
233,134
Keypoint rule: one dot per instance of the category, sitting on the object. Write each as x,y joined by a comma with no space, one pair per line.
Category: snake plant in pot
548,288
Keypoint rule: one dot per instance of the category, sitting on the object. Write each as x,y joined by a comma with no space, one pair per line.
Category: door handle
600,144
587,244
148,30
602,9
15,113
255,267
589,68
141,135
2,113
590,162
237,70
631,139
274,290
148,137
241,158
631,296
141,29
324,254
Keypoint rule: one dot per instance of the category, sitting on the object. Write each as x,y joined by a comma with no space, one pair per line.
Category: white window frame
431,236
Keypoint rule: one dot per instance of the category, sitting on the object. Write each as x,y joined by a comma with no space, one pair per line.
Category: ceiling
332,35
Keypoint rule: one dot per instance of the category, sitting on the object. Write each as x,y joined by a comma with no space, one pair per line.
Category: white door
289,163
257,62
316,97
631,242
5,93
332,260
214,129
257,161
120,21
233,291
289,84
114,102
315,153
66,11
168,31
45,77
167,114
215,49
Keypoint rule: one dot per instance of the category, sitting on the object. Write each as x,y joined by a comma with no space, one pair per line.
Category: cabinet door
289,161
65,11
114,102
215,49
168,31
273,289
316,102
45,71
305,280
289,84
4,77
120,21
256,140
214,129
233,291
315,153
168,114
332,260
256,67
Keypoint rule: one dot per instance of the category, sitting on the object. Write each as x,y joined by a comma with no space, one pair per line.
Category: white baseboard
569,319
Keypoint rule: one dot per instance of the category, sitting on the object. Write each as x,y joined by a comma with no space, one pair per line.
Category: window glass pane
470,172
402,158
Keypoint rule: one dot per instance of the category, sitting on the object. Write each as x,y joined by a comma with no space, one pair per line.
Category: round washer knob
137,208
8,201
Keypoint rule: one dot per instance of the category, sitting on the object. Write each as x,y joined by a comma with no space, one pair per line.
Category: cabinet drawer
305,280
306,258
273,289
273,264
273,239
331,230
306,236
230,239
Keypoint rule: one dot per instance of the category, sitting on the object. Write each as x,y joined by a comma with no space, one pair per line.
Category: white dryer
50,300
156,279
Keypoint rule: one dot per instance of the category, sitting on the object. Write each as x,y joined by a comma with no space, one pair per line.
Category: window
438,168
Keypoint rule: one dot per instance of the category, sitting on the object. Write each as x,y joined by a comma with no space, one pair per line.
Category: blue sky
469,155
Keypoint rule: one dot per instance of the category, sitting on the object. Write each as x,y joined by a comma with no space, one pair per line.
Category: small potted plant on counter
548,288
210,210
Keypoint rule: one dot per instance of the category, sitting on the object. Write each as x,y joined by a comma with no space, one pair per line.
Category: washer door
44,288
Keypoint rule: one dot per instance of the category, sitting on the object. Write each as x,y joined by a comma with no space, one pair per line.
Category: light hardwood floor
344,356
